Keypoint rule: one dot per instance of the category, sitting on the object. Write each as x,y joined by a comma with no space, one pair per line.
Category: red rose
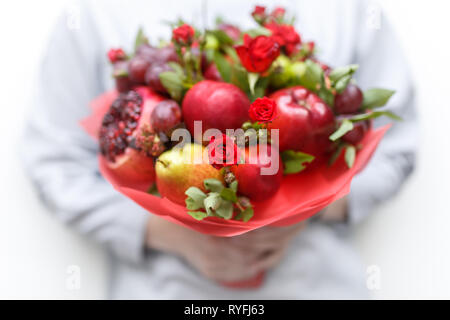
278,13
285,35
115,55
183,34
311,46
263,110
223,152
257,54
259,11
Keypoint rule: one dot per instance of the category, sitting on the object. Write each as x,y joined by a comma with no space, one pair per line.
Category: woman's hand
222,259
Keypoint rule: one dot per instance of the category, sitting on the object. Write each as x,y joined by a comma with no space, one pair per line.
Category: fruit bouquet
225,131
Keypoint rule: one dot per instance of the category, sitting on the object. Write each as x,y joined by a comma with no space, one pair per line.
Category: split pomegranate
128,114
304,120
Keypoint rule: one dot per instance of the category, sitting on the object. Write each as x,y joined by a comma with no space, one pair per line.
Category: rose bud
183,35
223,152
115,55
285,35
259,14
263,110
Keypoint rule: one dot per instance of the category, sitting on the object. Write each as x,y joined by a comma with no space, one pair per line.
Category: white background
408,238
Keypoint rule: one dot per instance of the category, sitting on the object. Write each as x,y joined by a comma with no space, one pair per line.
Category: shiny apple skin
251,182
304,120
218,105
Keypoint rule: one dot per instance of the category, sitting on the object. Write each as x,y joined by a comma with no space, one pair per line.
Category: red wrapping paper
300,195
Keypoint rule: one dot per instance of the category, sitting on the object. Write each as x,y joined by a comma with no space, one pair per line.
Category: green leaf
234,185
326,95
229,195
342,83
231,53
212,202
294,162
350,154
198,215
195,198
345,127
373,115
213,185
223,66
259,32
177,68
240,78
140,39
172,81
221,36
375,98
252,79
225,210
260,88
313,75
342,72
245,215
336,154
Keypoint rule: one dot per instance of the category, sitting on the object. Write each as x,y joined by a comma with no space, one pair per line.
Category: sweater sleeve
60,159
382,64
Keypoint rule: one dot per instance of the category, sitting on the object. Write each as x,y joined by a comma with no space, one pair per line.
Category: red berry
349,101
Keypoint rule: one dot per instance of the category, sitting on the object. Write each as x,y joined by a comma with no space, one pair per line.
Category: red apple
304,120
251,182
218,105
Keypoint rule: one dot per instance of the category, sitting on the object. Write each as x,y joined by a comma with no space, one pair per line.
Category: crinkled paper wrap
300,196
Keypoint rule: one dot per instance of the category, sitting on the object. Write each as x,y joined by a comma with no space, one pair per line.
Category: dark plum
120,73
165,116
152,76
357,133
137,68
166,54
349,101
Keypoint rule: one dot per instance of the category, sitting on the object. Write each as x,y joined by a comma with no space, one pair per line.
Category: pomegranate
128,114
251,182
304,120
218,105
